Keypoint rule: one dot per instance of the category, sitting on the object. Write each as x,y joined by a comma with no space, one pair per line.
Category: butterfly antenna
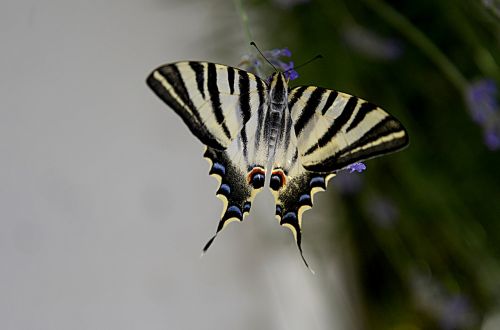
253,44
317,57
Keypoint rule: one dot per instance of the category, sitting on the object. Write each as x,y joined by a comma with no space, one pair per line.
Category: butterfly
252,128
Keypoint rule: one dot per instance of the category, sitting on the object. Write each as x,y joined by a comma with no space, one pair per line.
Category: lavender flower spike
286,52
492,136
290,73
356,167
481,97
252,63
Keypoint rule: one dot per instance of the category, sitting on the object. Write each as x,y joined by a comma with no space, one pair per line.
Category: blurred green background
421,227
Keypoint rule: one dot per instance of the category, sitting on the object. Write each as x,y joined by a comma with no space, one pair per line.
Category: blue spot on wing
305,200
258,180
317,181
246,207
290,217
233,211
279,210
219,169
275,182
224,189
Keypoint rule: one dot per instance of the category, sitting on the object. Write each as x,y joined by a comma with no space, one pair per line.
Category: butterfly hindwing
297,196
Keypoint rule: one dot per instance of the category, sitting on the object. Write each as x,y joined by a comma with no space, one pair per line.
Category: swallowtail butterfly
253,128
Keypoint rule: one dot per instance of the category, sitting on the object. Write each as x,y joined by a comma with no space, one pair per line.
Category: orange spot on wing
281,174
255,170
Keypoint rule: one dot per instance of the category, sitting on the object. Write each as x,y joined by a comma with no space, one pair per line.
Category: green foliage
433,263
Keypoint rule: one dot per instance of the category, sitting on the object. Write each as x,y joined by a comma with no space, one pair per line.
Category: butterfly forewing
335,129
214,100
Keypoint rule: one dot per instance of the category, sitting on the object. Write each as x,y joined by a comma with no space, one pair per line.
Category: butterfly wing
335,129
214,100
325,131
217,103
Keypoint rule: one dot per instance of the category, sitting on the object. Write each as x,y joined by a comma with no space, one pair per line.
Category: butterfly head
278,88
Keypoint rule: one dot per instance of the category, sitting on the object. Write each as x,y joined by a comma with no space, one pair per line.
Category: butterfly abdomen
274,126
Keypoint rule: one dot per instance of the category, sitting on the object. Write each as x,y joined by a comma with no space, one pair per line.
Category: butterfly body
253,128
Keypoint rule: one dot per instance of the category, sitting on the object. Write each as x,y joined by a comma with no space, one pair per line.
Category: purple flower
278,52
286,52
492,137
456,313
356,167
367,42
252,64
291,74
451,309
481,99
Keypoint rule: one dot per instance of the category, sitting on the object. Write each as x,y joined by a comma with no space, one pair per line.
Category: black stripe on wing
295,95
260,114
337,125
364,110
385,137
309,110
168,85
245,108
200,76
213,90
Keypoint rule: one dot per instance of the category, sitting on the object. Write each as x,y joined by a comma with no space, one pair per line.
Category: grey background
105,201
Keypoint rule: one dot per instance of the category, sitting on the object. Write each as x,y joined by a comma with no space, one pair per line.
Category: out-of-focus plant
493,6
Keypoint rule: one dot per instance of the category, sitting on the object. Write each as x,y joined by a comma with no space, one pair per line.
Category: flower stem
244,19
416,36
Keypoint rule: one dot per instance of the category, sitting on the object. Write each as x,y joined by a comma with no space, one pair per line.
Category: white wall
105,201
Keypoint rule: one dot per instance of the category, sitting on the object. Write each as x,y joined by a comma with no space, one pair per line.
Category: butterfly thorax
278,104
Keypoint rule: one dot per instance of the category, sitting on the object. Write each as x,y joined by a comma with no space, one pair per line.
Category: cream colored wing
335,129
